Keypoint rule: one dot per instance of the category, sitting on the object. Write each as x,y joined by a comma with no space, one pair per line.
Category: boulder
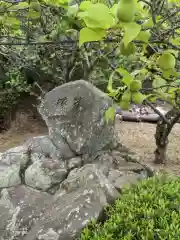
74,114
44,172
12,165
83,196
20,208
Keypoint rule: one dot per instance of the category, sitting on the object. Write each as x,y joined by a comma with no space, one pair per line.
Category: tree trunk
163,130
161,137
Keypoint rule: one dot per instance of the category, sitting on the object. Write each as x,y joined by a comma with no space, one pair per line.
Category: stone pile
51,186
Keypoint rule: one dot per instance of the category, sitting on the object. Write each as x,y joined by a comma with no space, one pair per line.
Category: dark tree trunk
161,137
163,130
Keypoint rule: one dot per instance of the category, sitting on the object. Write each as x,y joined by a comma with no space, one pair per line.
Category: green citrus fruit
166,61
126,10
137,97
126,97
129,50
124,105
135,86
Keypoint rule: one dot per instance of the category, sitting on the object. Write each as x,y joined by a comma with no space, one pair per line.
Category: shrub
148,210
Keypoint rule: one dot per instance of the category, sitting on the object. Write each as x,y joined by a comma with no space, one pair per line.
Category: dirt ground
139,137
22,129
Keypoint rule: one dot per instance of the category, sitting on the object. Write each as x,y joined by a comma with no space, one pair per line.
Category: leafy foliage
134,23
43,48
148,210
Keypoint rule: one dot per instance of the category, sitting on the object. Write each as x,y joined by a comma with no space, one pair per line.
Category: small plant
148,210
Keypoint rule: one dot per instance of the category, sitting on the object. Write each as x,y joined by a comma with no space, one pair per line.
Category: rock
87,192
122,179
16,155
85,175
75,162
104,162
44,145
65,220
44,172
9,175
12,164
74,114
20,208
40,144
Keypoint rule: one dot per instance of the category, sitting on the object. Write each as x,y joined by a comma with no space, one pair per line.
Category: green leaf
177,81
158,82
167,73
113,9
58,3
127,77
127,80
19,6
42,38
99,16
172,51
109,114
85,5
141,74
175,41
143,36
165,97
34,15
152,97
12,22
82,15
110,83
175,74
89,35
131,32
148,24
73,10
122,71
36,6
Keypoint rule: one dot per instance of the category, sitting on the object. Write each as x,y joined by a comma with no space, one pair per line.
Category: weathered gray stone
126,161
17,155
87,192
74,114
40,144
12,162
85,175
104,162
20,208
122,179
9,175
75,162
44,172
44,145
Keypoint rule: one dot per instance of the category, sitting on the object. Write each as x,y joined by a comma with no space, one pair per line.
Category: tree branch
157,111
